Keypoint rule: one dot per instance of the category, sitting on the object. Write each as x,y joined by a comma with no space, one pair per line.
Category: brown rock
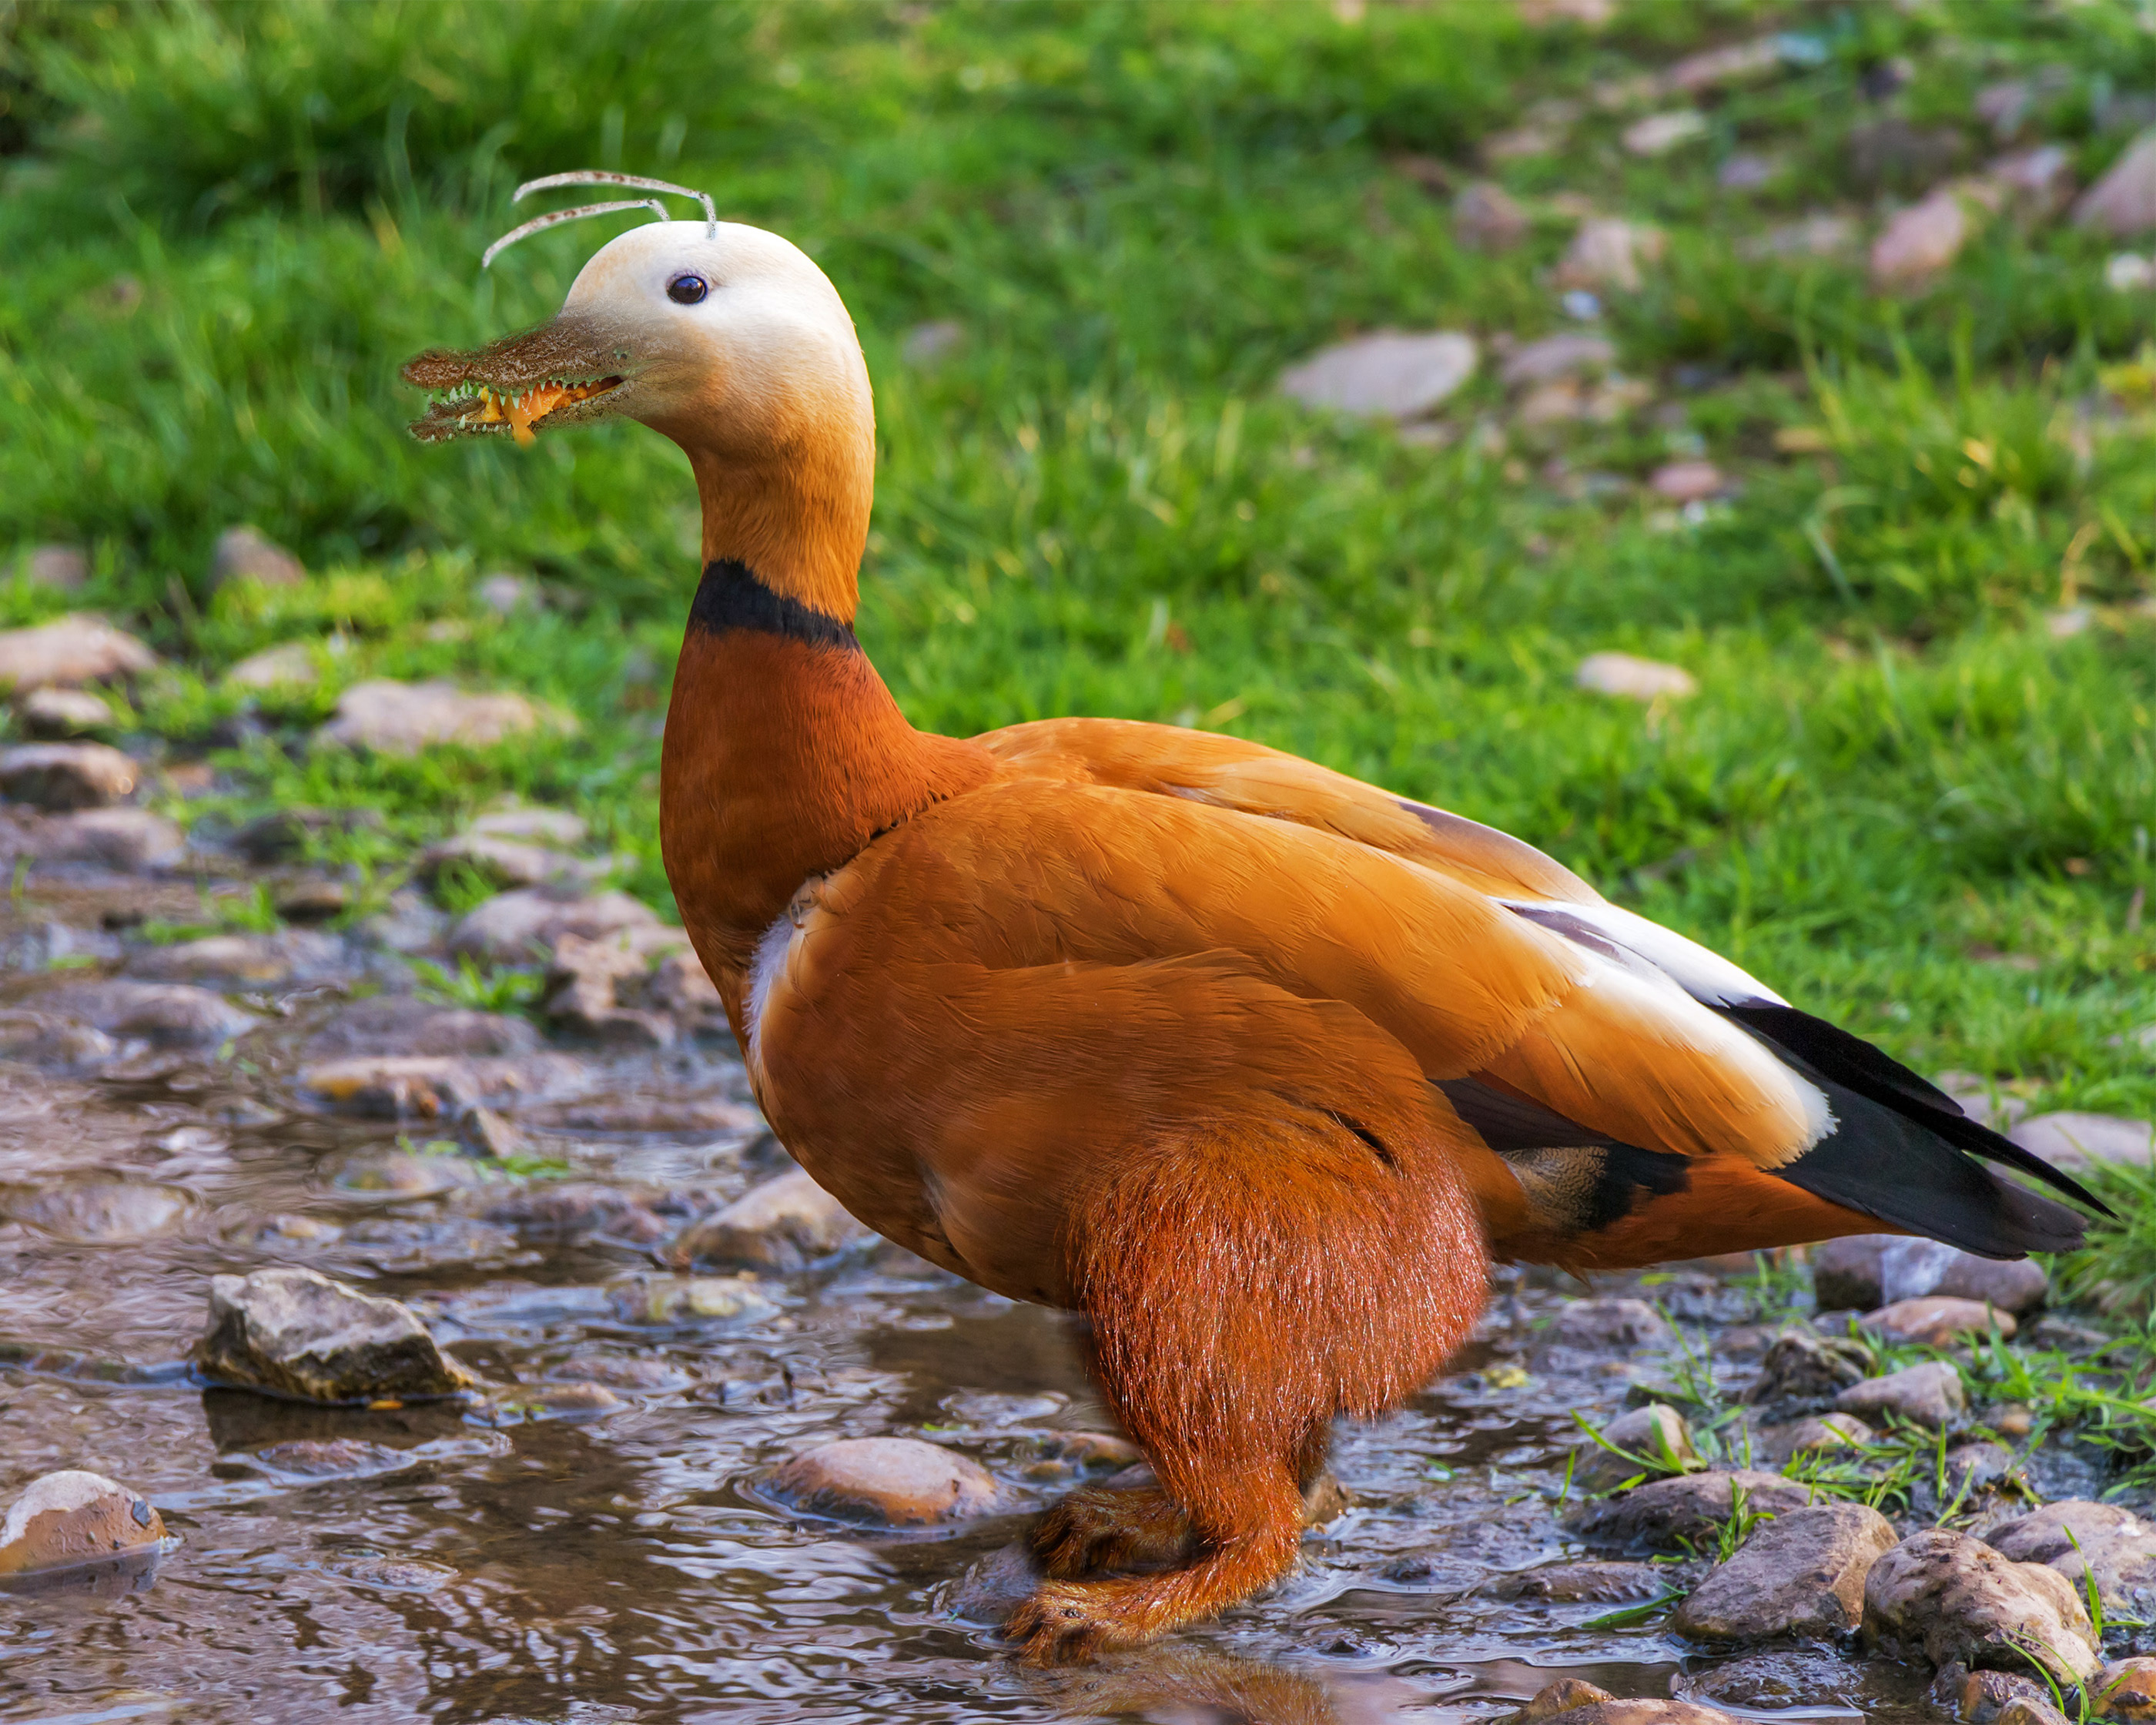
1559,1698
66,775
103,1212
1784,1444
508,862
2123,203
1670,1515
581,993
63,567
1936,1320
1633,678
56,713
65,1520
1570,1702
2082,1540
1653,1439
515,928
1982,1697
2126,1691
692,1299
128,841
785,1224
1566,355
1608,1324
1688,481
1607,253
1921,242
1390,373
899,1481
168,1014
1800,1574
682,986
1600,1583
435,1086
247,961
391,1023
1486,217
296,1333
74,649
1930,1394
1800,1367
397,718
1954,1598
1862,1271
246,554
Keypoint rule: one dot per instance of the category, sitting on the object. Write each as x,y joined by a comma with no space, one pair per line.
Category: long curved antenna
599,176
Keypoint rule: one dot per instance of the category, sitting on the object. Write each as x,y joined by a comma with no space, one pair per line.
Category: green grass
226,224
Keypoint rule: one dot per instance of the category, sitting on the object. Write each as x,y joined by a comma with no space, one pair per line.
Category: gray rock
1936,1321
1930,1394
681,986
1633,678
65,1520
583,983
50,1040
1571,1701
505,594
1608,254
1781,1682
1658,133
785,1224
1862,1271
1801,1574
1803,1367
127,841
1983,1697
296,1333
1389,374
2082,1539
66,775
437,1086
65,567
55,713
2036,183
692,1299
2123,203
168,1014
1570,354
246,554
1954,1598
1653,1439
515,927
996,1586
1830,1432
554,826
289,665
76,649
247,961
394,718
103,1212
398,1024
1822,235
304,1459
1486,217
1975,1092
572,1211
1599,1584
1675,1514
1974,1467
2074,1142
899,1481
1608,1323
1920,242
508,862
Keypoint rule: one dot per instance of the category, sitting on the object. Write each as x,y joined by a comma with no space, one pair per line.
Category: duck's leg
1241,1294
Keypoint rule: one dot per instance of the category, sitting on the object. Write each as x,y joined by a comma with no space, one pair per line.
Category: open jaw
555,375
473,409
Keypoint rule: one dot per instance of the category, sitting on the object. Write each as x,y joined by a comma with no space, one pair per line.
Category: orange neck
784,756
797,514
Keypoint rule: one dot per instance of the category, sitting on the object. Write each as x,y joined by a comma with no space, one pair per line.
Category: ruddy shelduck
1256,1066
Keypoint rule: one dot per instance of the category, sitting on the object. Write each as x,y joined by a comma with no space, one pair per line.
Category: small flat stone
65,1520
394,718
1391,373
692,1299
1659,133
1801,1574
517,927
289,665
1673,1514
1748,171
1486,217
296,1333
1607,1582
246,553
1861,1272
996,1586
1824,235
1635,679
104,1212
1936,1320
1954,1598
583,985
899,1481
1609,254
1570,1702
63,567
433,1086
1687,481
127,841
1614,1322
1653,1439
1930,1394
1920,242
573,1211
1779,1683
1553,357
533,825
2123,203
1783,1444
76,649
331,1459
169,1015
785,1224
1720,68
508,862
2038,183
1976,1467
2074,1142
407,1173
66,775
53,713
1985,1697
1893,151
399,1575
393,1023
553,1401
42,1039
247,961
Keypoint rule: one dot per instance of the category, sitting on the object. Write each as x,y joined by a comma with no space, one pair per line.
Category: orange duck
1255,1065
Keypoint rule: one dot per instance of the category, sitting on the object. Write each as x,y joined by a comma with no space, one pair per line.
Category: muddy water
624,1565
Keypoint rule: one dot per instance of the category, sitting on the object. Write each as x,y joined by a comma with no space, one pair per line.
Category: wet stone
247,961
104,1212
330,1459
66,775
434,1086
406,1174
246,553
898,1481
785,1224
1608,1324
1389,374
691,1299
1652,1439
1802,1367
396,1024
1863,1271
394,718
52,713
2126,1691
996,1586
395,1246
1674,1514
47,1039
1831,1432
66,1519
69,650
1951,1597
1975,1467
1982,1697
551,1401
2081,1540
296,1333
127,841
570,1211
583,985
1781,1682
1930,1394
1936,1321
169,1015
515,928
1801,1575
1593,1583
1570,1702
392,1575
634,1374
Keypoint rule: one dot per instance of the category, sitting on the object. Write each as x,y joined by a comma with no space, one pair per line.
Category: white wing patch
1627,938
764,971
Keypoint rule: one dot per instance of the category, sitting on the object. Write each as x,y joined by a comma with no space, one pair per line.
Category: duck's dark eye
687,290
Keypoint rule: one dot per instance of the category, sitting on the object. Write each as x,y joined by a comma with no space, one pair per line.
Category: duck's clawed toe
1096,1531
1067,1623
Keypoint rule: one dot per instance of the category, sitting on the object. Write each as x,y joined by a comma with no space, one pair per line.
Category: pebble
1894,151
66,1519
899,1481
434,1086
2126,1691
1486,217
1740,62
406,1174
1655,1435
2073,1142
1688,481
370,1568
1607,253
66,775
296,1333
51,713
1779,1683
104,1212
1861,1272
246,553
1936,1320
2129,273
1783,1444
532,825
925,343
43,1040
691,1299
246,961
1975,1467
1391,373
1919,242
681,986
1568,401
785,1224
2123,203
1633,678
2038,183
1930,1394
289,665
394,718
1974,1092
1565,355
1748,171
517,927
1571,1701
1608,1324
170,1014
504,594
76,649
553,1401
388,1024
571,1211
62,566
583,993
1954,1598
1606,1583
331,1459
1659,133
507,862
1983,1697
1666,1515
127,841
2113,1544
1801,1574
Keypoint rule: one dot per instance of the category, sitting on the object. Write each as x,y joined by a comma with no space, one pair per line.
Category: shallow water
626,1566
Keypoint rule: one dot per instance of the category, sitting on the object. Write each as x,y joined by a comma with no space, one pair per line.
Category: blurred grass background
1898,796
